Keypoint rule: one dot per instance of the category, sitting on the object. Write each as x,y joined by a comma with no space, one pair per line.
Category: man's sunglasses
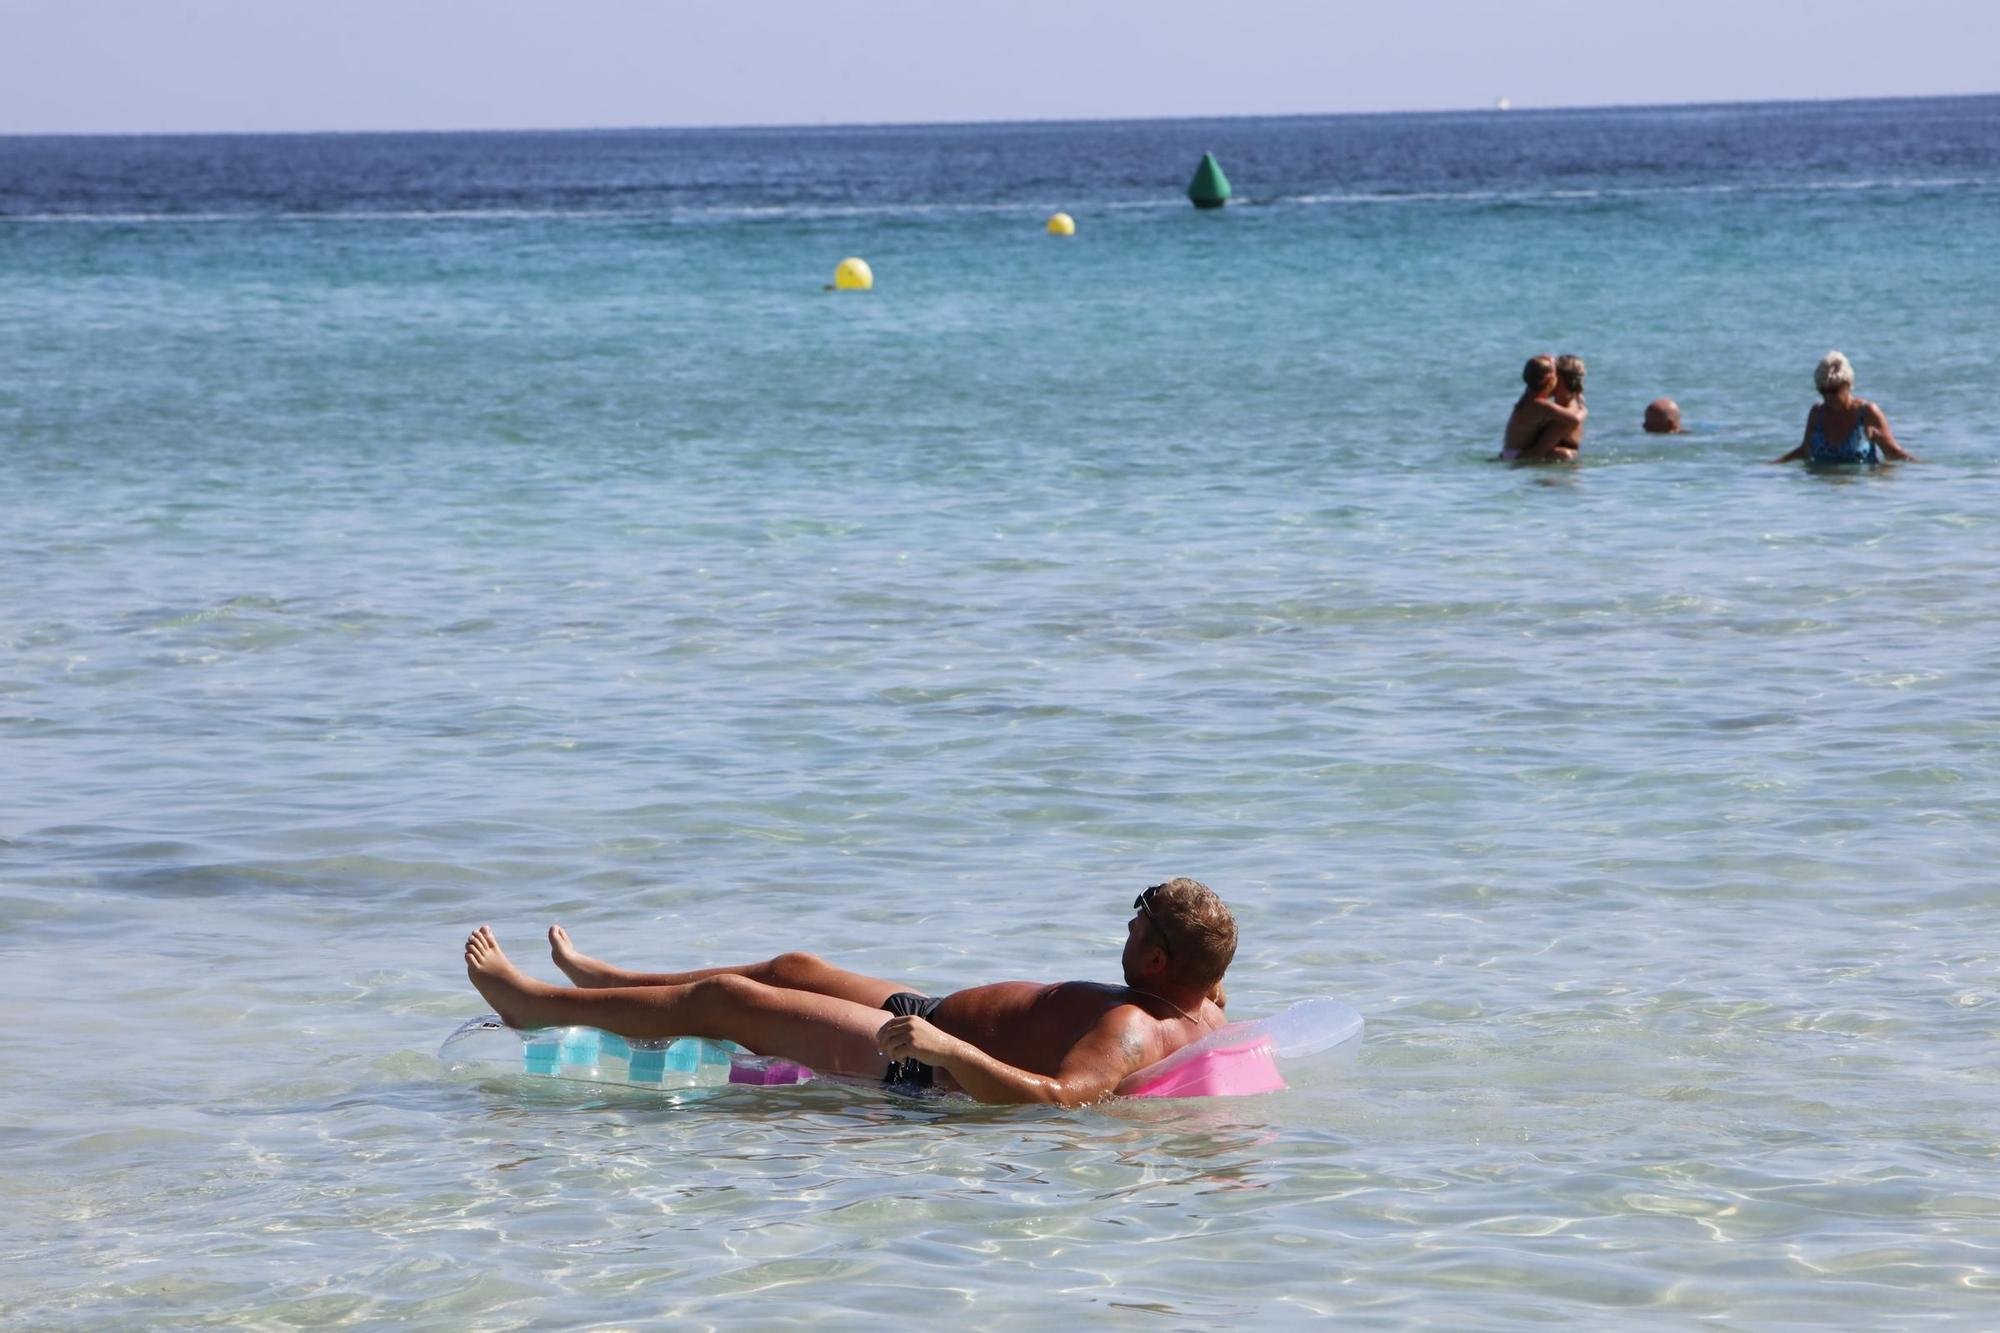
1144,904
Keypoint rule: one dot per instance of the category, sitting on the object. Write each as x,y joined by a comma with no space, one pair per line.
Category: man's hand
1109,1051
907,1037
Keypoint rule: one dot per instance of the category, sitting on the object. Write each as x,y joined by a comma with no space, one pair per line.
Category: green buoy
1209,188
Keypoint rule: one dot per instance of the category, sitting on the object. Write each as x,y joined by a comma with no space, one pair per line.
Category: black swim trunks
910,1075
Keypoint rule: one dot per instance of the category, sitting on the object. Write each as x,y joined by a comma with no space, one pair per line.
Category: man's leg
823,1032
788,971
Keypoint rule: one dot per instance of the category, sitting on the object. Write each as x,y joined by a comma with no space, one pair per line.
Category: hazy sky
179,65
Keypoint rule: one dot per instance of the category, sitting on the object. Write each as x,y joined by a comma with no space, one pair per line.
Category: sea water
399,533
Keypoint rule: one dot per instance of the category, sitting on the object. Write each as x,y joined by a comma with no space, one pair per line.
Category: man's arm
1559,423
1092,1068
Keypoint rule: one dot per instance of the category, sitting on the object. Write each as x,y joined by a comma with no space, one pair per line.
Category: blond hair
1833,373
1197,929
1569,371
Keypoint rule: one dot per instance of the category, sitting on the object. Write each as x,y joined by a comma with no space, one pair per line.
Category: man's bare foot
580,968
495,977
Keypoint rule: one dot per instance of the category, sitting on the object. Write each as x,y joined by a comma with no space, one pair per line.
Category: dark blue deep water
684,174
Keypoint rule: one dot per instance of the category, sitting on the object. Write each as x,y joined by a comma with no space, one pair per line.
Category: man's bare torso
1525,425
1033,1026
1536,432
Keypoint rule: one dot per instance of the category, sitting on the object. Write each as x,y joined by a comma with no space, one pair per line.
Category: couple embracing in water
1546,425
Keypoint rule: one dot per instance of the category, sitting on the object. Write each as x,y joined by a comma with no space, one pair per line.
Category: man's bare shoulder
1114,1031
1092,1002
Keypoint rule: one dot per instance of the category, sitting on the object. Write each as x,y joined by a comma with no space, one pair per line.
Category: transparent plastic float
1236,1060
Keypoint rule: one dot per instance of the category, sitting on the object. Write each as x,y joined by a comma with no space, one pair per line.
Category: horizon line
1493,108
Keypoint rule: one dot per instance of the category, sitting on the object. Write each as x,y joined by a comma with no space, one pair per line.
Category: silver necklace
1169,1003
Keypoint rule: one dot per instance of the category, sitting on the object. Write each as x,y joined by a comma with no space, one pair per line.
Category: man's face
1139,946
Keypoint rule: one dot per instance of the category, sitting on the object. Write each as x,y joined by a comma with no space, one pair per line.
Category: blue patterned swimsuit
1856,448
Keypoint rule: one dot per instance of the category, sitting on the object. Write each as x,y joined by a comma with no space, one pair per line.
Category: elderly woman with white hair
1843,428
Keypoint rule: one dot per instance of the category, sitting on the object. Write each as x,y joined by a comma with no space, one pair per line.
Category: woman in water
1568,396
1843,428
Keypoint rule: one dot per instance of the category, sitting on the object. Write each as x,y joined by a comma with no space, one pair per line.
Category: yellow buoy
854,275
1062,224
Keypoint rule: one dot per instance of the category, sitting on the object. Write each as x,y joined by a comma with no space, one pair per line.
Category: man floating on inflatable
1066,1043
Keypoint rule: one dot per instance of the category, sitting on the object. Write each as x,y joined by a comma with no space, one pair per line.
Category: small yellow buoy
1062,224
854,275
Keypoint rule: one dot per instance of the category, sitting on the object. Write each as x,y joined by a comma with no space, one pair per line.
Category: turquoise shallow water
375,564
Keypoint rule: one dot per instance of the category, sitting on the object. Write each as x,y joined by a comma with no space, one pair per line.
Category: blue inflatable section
594,1056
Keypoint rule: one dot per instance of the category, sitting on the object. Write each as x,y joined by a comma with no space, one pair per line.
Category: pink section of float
1241,1059
1240,1071
769,1075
